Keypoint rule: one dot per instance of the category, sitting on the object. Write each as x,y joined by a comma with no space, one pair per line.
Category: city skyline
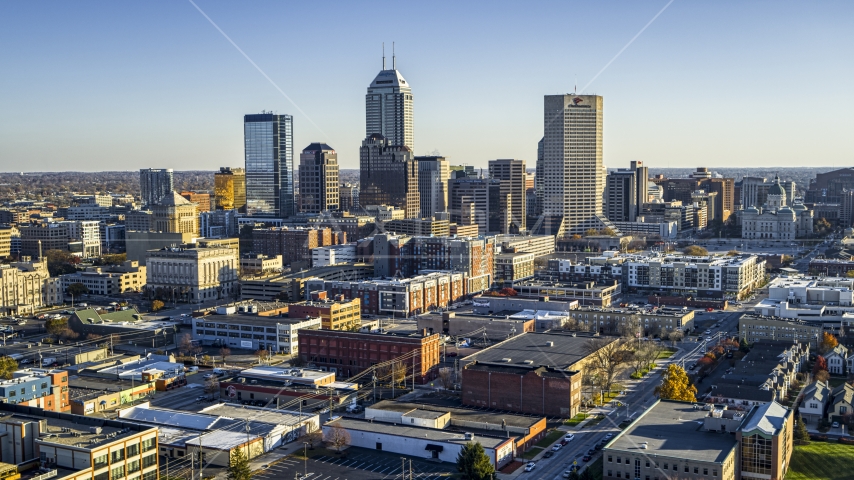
669,101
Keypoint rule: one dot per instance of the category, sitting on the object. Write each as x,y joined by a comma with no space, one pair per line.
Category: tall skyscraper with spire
388,107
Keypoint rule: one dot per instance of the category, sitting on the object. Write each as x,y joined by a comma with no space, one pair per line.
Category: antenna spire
393,66
383,55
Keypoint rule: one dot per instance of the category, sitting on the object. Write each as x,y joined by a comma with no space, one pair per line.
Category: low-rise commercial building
252,332
599,294
513,267
291,287
336,314
404,297
113,280
421,442
35,387
688,441
333,255
129,325
90,395
532,373
649,323
257,264
349,353
496,327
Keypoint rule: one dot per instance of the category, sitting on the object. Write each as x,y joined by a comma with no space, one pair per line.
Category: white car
569,437
557,447
609,436
530,466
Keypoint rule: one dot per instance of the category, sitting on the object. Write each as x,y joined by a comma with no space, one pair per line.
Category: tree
828,342
822,376
573,475
732,253
606,356
586,474
113,259
676,386
508,292
474,464
695,251
224,353
820,365
590,232
802,436
77,289
849,274
394,372
61,262
238,466
206,359
446,377
821,226
313,437
607,231
212,385
56,326
337,437
157,305
743,346
8,365
262,355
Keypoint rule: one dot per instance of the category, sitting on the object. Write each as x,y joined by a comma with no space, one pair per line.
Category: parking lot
356,464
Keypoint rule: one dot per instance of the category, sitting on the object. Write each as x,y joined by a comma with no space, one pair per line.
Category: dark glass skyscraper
154,184
269,151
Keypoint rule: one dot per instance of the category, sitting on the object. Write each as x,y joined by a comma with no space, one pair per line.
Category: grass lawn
578,418
821,461
550,438
666,354
533,452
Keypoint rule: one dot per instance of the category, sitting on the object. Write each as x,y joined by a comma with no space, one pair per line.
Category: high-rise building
754,191
348,197
155,183
625,191
512,175
433,175
269,151
318,179
175,214
388,108
202,200
683,188
388,175
230,189
478,201
573,174
539,175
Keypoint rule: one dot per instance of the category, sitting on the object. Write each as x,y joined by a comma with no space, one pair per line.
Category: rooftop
123,318
421,433
298,375
535,349
465,414
675,430
767,419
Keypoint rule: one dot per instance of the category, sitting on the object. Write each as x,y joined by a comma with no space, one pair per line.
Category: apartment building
110,280
334,314
513,267
708,276
294,244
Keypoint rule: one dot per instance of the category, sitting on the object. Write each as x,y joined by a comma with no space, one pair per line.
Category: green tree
607,231
77,289
586,474
474,464
743,346
802,436
573,475
238,466
157,305
591,232
675,385
56,326
7,366
695,251
113,259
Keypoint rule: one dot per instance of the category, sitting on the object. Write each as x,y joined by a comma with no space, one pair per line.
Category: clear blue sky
122,85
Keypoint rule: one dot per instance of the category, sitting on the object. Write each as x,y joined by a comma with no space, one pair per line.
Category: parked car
609,436
451,354
548,454
591,452
209,376
835,425
586,458
557,447
530,466
568,437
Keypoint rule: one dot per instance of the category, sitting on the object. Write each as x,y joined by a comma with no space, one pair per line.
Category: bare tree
262,355
313,436
185,345
337,437
606,355
224,353
394,372
446,377
212,385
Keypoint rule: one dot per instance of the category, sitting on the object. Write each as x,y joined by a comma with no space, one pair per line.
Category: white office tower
573,172
388,108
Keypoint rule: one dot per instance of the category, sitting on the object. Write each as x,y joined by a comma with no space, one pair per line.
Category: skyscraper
230,189
318,179
625,191
433,175
573,174
388,175
155,183
539,175
388,108
512,175
269,150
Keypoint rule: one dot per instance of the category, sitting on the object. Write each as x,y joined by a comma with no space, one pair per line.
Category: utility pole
402,468
410,470
201,458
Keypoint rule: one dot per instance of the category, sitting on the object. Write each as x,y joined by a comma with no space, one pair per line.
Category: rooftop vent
528,362
550,344
506,360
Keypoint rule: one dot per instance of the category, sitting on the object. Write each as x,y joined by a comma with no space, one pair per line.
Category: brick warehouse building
349,353
294,244
532,373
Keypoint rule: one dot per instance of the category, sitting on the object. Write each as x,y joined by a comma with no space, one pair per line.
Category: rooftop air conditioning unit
506,360
95,430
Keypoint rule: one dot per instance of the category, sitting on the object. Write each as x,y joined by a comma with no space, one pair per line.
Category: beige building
539,245
26,286
128,277
175,214
419,226
760,328
433,175
512,267
258,264
5,242
198,273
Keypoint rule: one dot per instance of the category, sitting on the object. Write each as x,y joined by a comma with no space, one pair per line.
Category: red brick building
349,353
294,243
525,389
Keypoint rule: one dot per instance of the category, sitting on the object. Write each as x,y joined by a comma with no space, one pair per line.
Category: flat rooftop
67,432
237,319
566,351
457,413
674,429
421,433
281,374
266,415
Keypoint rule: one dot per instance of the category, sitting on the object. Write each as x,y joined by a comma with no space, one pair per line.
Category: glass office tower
269,151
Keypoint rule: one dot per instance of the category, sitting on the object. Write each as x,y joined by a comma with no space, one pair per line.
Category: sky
102,85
